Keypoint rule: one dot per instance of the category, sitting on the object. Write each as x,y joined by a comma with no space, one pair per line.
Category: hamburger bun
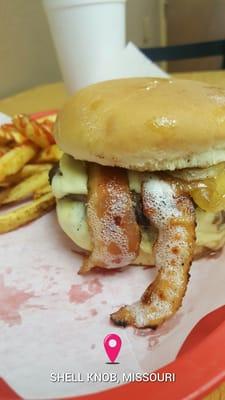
145,124
118,209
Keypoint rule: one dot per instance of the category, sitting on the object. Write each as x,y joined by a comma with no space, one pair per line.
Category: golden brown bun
145,124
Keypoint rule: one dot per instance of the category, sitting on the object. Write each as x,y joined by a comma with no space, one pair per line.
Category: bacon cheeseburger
142,181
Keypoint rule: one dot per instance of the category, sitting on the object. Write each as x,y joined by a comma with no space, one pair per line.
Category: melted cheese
72,218
135,180
71,179
208,233
72,214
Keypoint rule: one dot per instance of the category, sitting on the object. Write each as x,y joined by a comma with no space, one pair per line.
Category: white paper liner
53,320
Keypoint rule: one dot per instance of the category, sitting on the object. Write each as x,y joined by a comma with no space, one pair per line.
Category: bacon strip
111,219
173,215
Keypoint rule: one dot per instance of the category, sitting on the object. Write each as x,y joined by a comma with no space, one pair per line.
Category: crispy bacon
172,213
111,219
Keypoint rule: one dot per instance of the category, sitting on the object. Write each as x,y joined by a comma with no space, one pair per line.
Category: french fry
3,194
34,131
3,150
31,169
48,125
17,137
50,118
5,137
21,142
51,154
26,188
4,184
27,213
11,134
25,172
15,159
40,192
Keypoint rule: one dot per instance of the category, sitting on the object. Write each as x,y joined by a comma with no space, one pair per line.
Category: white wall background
143,22
27,56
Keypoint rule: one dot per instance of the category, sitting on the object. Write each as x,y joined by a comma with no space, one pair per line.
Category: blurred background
28,57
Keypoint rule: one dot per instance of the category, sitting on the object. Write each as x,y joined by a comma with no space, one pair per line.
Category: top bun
145,124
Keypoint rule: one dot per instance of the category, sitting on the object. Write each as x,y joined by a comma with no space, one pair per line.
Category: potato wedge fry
26,188
40,192
27,213
15,159
51,154
33,131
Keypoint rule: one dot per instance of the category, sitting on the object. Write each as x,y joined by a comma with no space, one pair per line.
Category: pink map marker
112,344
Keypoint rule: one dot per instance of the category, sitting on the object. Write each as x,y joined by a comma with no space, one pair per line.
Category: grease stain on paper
11,301
80,293
81,318
46,267
37,306
93,312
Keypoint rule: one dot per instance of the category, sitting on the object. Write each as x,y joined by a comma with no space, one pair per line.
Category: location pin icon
112,344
